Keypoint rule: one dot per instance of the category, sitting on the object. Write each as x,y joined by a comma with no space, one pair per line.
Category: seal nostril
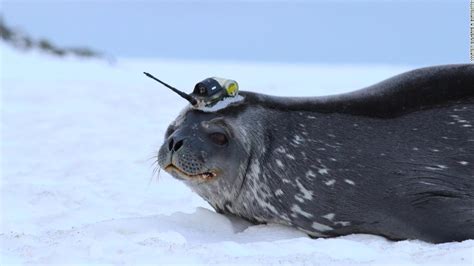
178,145
170,144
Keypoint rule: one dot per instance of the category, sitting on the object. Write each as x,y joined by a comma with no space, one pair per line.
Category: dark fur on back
408,92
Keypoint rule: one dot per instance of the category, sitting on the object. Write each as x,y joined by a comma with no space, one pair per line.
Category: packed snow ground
78,138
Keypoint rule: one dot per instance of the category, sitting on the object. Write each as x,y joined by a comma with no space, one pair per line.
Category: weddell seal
395,159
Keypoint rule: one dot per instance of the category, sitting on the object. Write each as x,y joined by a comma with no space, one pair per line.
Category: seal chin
178,173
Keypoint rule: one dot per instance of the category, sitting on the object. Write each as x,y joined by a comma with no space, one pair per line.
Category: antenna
186,96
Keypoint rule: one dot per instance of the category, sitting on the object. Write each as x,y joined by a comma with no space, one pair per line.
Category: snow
77,187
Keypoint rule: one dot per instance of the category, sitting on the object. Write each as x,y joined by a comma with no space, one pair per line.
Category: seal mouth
205,176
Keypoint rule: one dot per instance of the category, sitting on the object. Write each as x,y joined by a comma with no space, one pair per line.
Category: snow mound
79,140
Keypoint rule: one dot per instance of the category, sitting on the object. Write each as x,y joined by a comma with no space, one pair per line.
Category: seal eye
218,138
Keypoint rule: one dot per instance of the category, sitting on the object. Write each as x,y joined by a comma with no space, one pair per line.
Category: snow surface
77,183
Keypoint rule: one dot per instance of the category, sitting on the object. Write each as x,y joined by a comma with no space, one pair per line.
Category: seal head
203,149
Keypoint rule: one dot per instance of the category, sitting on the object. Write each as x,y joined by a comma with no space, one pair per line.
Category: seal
395,159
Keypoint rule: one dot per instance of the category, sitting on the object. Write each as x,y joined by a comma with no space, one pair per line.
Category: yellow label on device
232,89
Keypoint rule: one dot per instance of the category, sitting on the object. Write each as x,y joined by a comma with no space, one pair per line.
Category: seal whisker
156,171
155,175
153,159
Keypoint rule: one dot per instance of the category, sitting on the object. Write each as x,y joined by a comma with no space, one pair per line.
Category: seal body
395,159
